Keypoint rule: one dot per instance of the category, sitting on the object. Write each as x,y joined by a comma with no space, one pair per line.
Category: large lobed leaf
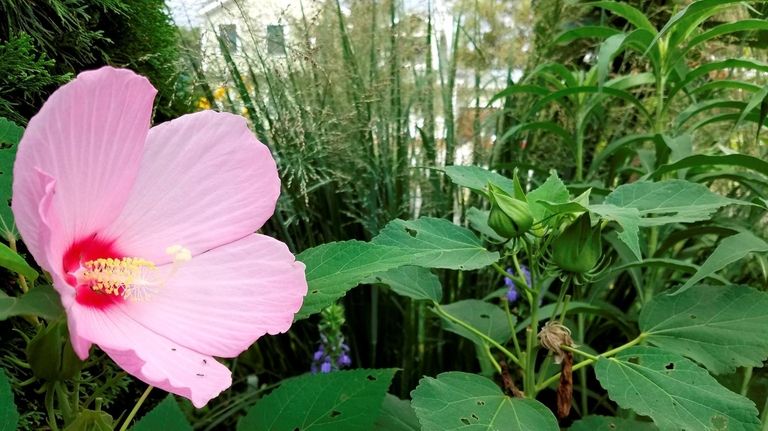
721,327
487,318
40,301
334,268
342,400
462,401
477,178
675,392
165,416
607,423
396,415
412,281
9,416
10,135
436,243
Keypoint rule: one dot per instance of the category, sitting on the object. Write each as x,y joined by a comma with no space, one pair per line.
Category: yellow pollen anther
133,278
115,276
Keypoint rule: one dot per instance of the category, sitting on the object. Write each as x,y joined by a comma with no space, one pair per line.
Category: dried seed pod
553,335
565,389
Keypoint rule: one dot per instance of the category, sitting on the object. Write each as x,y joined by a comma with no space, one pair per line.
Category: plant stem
519,281
49,408
493,360
591,359
512,329
135,410
441,312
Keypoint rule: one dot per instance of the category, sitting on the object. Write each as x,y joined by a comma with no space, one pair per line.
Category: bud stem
135,410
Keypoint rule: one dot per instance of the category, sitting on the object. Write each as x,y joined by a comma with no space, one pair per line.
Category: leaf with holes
396,415
10,135
458,401
607,423
342,400
729,250
336,267
477,178
487,318
675,392
411,281
9,416
721,327
436,243
165,416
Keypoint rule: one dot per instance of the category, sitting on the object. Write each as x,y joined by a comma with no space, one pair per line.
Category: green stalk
591,359
440,311
135,409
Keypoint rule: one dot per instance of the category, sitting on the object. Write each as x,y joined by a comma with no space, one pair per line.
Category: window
275,40
228,34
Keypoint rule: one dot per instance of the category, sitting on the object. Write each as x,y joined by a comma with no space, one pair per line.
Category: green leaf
553,191
411,281
396,415
631,14
10,135
755,101
436,243
606,423
608,49
477,178
41,300
701,160
720,327
9,416
675,392
729,250
582,32
672,201
628,219
336,267
459,401
731,27
341,400
11,260
165,416
487,318
478,220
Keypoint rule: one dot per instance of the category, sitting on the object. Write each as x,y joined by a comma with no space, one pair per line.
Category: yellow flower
203,104
244,112
219,93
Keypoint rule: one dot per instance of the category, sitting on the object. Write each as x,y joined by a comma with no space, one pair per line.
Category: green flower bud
579,247
50,354
509,217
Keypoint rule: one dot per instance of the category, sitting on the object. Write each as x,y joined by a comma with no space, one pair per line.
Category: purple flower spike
512,293
325,367
345,360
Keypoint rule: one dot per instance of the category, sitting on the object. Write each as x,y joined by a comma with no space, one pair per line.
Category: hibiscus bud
510,217
579,247
50,354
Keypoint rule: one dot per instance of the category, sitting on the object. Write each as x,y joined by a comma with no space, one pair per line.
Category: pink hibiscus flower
149,233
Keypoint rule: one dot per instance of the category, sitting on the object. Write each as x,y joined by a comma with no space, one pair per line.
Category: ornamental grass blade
730,250
720,327
675,392
460,401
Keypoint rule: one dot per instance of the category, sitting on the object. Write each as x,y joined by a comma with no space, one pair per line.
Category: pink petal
221,301
204,181
89,137
148,356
